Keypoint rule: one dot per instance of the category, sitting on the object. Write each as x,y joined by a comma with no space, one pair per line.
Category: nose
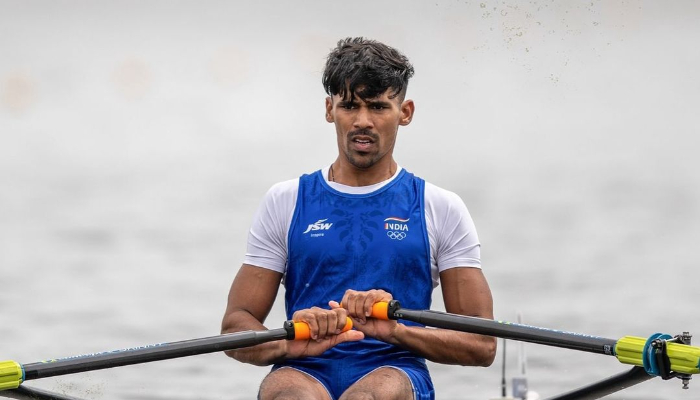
363,119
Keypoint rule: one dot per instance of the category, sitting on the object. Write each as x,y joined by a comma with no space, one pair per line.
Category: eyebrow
348,102
382,103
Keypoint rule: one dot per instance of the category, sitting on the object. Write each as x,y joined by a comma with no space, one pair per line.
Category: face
367,129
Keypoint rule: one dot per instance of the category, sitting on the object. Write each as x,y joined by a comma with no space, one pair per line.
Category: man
360,231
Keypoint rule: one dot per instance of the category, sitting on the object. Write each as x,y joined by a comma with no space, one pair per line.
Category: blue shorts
338,375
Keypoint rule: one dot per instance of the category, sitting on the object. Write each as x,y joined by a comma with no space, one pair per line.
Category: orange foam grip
380,310
302,331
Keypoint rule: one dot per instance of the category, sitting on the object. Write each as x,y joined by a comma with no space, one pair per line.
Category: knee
288,384
271,391
359,396
284,394
280,396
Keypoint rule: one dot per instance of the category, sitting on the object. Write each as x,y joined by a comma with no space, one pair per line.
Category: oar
682,358
12,373
28,393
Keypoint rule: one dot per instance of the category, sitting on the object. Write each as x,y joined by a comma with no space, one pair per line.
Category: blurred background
138,137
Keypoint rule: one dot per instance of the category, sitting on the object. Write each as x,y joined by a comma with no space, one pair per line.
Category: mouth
362,140
361,143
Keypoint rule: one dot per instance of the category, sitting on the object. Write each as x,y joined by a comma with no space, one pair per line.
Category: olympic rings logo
396,235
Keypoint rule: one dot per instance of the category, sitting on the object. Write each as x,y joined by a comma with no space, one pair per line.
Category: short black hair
366,68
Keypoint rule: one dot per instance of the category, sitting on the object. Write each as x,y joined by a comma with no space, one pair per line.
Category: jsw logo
319,225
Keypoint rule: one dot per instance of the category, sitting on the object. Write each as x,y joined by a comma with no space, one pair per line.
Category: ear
329,110
407,111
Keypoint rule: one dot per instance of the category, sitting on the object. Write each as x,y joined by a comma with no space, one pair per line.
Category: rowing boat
657,356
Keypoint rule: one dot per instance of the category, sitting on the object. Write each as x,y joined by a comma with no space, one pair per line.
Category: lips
362,140
361,143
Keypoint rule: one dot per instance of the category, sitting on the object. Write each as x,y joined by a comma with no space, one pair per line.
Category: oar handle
386,310
381,310
301,331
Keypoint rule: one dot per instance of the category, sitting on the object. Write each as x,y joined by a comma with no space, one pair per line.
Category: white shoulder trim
267,238
451,231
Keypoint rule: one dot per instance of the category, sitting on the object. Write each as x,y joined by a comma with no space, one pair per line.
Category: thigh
385,383
291,384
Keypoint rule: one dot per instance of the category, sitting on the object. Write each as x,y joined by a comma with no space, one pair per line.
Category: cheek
389,129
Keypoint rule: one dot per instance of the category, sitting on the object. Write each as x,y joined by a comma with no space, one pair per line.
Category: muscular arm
466,292
249,302
250,299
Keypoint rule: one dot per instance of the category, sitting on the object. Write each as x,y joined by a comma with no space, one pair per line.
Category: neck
350,175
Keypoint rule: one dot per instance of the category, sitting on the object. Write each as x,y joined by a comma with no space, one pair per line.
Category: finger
368,302
346,299
310,319
349,336
346,303
342,320
356,306
375,296
324,323
331,319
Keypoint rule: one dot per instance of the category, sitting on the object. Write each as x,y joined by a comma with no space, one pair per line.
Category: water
131,162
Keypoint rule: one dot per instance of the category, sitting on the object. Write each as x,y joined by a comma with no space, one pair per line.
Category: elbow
231,353
488,352
481,353
248,357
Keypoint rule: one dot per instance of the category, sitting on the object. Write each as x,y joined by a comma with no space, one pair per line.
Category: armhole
293,222
434,274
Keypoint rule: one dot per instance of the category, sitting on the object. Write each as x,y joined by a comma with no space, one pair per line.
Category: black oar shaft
138,355
607,386
507,330
27,393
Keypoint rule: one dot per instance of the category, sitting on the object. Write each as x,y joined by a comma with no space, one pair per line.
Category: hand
359,307
325,329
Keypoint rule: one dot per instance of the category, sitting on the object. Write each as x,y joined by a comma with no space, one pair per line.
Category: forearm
262,354
250,300
446,346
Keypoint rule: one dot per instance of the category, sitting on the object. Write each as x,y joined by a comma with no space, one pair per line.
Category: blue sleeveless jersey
339,241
